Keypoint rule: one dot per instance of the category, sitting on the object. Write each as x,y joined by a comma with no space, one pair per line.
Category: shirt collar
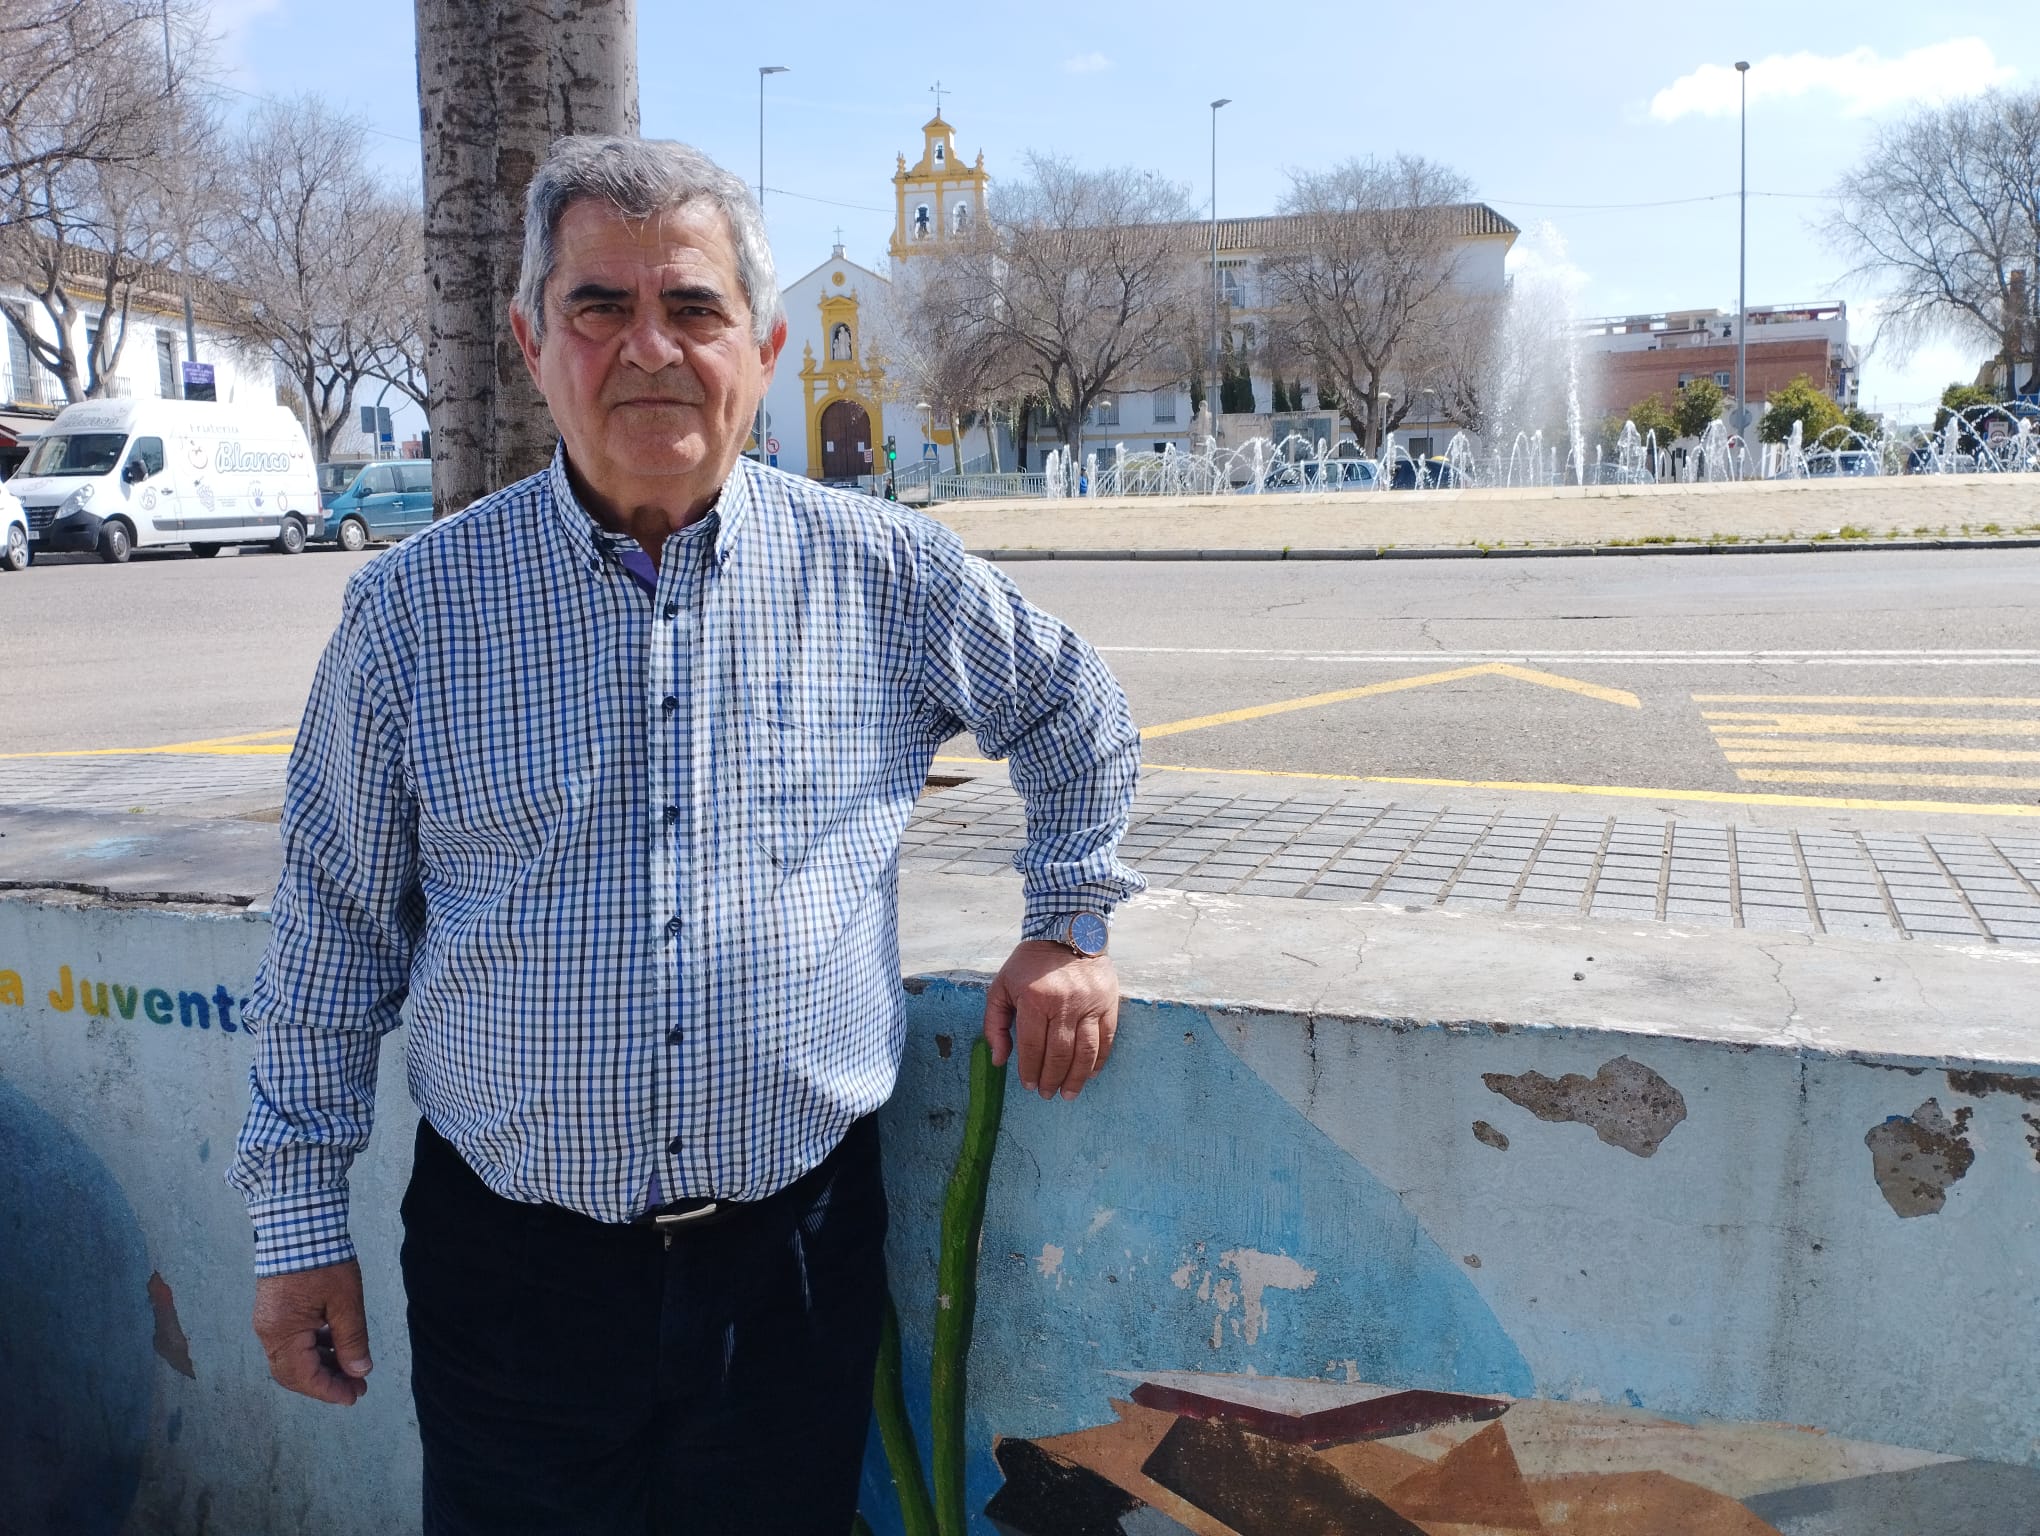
588,539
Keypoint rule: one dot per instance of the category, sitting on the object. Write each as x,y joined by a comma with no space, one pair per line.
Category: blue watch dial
1088,933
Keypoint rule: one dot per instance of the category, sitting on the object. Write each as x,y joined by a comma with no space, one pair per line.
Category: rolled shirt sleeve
333,980
1030,690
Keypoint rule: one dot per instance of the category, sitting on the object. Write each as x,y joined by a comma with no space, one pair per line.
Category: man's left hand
1055,1010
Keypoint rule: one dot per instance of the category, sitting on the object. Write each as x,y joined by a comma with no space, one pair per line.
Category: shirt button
672,610
672,814
673,927
670,703
675,1145
673,1037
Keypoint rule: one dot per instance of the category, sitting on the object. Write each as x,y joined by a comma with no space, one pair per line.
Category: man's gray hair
641,178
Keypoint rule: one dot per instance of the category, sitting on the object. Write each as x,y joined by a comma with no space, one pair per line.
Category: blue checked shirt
627,862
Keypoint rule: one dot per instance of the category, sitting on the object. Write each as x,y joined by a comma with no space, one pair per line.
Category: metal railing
988,487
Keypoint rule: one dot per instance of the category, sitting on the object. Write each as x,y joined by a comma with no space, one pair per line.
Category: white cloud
1861,80
1086,64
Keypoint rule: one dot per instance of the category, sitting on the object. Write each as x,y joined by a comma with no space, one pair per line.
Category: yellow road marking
1868,725
1858,698
1897,781
1397,685
1867,752
1624,791
253,744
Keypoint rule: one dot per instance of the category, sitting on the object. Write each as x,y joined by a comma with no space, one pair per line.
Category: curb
1475,552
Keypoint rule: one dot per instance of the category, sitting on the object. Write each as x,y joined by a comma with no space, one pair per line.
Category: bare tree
1944,213
317,248
1362,276
97,130
498,81
939,348
1083,283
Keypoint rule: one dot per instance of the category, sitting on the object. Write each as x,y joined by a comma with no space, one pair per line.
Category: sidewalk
1894,512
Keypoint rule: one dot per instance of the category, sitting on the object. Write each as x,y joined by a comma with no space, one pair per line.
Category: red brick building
1628,358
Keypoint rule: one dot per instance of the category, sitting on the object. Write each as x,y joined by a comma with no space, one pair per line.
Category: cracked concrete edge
1753,545
1911,1006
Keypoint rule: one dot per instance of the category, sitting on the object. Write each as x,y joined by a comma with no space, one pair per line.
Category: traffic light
892,452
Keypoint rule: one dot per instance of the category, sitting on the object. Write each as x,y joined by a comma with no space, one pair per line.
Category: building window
23,372
166,365
1685,379
921,230
960,221
1105,414
1232,283
1724,379
1165,404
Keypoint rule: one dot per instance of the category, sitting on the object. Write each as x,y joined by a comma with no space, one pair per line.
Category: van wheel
15,557
353,535
116,541
290,539
204,551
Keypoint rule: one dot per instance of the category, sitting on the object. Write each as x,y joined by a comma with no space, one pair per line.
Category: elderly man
601,783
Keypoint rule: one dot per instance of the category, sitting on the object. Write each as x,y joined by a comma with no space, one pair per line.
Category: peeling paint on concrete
1488,1136
1626,1104
2033,1140
1977,1085
1915,1157
171,1343
1260,1272
1050,1262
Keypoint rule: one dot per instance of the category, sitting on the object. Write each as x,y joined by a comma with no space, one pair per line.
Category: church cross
839,234
937,89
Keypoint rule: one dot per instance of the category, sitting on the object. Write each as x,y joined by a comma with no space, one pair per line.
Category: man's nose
649,344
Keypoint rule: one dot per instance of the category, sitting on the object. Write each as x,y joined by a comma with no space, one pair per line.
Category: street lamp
763,71
1742,267
1211,372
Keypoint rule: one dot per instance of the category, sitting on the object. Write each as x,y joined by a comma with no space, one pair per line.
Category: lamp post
183,208
763,71
1211,370
1742,267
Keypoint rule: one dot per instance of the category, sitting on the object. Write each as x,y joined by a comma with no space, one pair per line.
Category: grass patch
1851,531
1992,528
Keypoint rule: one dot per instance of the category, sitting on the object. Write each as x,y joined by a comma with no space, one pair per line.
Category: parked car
336,475
118,475
15,549
1842,461
1422,475
386,500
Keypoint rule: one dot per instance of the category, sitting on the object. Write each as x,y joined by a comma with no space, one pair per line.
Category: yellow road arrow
1399,685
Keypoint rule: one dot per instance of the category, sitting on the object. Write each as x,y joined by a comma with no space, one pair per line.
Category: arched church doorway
846,440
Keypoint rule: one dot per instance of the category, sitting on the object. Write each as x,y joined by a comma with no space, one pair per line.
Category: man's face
648,362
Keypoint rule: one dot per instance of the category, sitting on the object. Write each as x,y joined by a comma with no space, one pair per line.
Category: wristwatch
1082,933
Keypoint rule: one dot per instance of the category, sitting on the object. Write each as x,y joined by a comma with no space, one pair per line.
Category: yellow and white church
831,407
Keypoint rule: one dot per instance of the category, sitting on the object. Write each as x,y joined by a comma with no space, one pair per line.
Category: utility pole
183,208
1742,271
1211,371
763,71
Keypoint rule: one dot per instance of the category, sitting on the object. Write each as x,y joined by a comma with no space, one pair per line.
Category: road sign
772,445
927,450
198,381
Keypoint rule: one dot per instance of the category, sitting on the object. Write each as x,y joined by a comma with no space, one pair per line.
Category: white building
151,357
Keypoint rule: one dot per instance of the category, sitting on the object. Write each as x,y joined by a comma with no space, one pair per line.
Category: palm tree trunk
498,81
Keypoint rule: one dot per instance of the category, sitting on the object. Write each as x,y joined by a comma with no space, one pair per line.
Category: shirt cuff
300,1233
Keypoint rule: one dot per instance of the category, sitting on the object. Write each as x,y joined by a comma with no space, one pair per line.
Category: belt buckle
669,1220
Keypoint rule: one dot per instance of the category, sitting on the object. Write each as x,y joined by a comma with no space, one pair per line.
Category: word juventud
106,999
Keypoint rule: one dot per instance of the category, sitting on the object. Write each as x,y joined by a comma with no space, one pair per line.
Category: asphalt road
1883,676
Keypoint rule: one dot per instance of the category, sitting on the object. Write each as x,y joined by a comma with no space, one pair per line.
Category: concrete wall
1439,1266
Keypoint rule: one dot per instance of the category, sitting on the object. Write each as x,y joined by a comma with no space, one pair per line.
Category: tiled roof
1277,229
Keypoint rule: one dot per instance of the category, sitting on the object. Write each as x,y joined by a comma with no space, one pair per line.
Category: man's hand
314,1330
1059,1011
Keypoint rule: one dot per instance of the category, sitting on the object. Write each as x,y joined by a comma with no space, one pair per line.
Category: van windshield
76,453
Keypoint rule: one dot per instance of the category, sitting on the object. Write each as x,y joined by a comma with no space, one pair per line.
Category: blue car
387,500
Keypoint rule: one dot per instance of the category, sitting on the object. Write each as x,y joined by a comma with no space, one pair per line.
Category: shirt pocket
817,774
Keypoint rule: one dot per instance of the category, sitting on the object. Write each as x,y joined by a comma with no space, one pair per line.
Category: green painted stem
963,1220
896,1431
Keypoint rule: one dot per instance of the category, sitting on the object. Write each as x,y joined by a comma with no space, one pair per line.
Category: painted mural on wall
1199,1312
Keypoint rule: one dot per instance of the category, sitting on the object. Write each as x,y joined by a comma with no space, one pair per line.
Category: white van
114,475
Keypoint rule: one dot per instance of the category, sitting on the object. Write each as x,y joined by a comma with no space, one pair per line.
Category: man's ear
770,348
527,343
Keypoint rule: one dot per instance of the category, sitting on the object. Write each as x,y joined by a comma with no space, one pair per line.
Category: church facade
832,403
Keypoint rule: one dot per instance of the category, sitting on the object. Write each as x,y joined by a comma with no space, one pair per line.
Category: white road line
1867,658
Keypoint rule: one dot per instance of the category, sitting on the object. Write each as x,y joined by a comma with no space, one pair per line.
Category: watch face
1088,933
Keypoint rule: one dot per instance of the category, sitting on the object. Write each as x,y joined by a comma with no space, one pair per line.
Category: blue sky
1553,113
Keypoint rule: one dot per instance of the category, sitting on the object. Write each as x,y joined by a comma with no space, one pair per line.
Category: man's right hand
314,1330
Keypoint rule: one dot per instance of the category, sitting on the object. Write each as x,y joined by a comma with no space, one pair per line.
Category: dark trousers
573,1376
